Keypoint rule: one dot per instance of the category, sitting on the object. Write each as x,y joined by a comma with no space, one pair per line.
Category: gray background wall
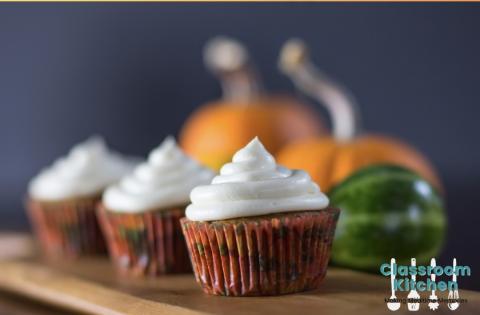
133,72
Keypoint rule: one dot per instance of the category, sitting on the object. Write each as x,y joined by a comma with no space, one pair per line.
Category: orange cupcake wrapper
66,229
149,243
268,255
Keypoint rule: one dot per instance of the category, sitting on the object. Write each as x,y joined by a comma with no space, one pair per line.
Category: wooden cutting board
92,286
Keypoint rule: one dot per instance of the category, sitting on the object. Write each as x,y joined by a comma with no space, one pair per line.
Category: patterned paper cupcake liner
269,255
149,243
66,229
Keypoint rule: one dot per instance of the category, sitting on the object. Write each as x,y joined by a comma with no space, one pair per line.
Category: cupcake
140,216
259,228
62,199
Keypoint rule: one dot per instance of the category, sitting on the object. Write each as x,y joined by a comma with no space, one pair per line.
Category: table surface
92,286
11,304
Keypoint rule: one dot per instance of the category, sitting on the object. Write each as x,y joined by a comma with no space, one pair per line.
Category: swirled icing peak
87,170
164,180
253,184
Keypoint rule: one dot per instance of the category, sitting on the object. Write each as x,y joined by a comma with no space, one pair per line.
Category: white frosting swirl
253,184
164,180
87,170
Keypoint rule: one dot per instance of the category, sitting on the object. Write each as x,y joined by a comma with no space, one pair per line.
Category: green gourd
386,212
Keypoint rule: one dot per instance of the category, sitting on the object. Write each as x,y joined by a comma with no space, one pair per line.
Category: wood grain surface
11,304
92,286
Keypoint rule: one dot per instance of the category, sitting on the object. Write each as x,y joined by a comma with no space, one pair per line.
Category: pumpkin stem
228,59
295,62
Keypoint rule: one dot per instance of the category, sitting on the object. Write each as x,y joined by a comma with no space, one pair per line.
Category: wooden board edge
59,289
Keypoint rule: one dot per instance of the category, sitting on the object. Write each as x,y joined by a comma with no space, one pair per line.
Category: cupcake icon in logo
259,228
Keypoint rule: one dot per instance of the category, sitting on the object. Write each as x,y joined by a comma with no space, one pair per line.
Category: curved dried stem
228,59
295,62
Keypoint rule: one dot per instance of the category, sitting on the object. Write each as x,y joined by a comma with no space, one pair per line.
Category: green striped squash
386,211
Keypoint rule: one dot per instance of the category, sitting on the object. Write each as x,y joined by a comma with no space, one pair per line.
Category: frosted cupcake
259,228
140,216
62,199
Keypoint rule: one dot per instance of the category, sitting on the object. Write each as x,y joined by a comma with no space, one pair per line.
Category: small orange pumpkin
329,160
215,131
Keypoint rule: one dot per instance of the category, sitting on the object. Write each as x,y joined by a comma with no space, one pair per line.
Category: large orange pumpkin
329,160
214,132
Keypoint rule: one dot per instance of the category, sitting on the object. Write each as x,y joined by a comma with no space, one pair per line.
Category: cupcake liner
268,255
149,243
66,229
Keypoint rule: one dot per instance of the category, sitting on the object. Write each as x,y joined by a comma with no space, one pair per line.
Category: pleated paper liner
149,243
268,255
67,229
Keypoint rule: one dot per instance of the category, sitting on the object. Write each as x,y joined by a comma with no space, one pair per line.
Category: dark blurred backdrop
133,72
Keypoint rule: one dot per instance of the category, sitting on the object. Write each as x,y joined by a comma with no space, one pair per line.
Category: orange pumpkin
329,160
214,132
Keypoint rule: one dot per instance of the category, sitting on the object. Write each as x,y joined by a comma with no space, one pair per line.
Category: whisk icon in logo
403,279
